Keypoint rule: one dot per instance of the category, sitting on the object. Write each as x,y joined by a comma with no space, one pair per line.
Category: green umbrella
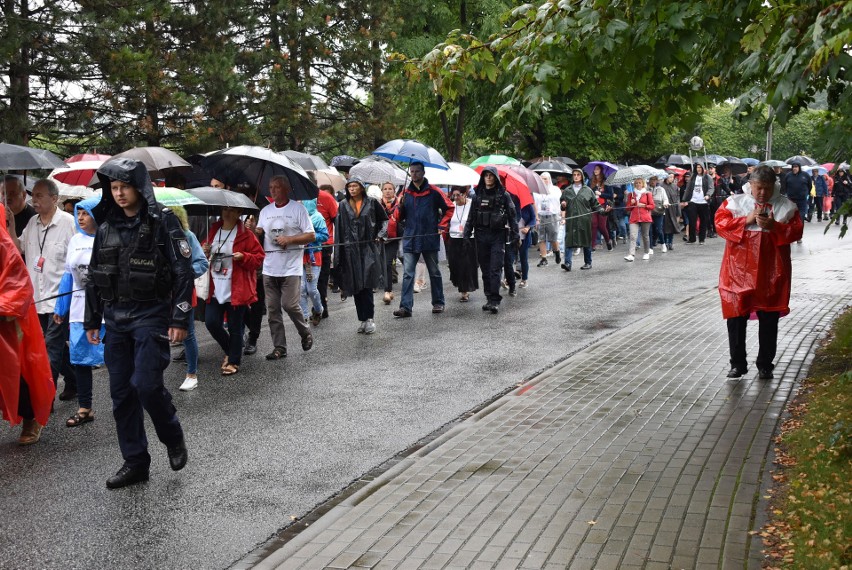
174,197
494,159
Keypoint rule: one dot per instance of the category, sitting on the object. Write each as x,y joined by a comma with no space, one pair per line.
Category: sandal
224,363
81,417
277,353
230,369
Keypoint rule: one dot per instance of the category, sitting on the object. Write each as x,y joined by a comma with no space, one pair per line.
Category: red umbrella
515,181
79,173
87,156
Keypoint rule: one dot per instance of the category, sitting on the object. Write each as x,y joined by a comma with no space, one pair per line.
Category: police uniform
492,222
140,282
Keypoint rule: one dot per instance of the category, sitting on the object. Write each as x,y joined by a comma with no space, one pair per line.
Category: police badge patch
184,248
184,306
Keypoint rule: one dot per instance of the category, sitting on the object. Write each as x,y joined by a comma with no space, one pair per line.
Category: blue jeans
231,340
587,255
309,291
136,360
436,285
190,345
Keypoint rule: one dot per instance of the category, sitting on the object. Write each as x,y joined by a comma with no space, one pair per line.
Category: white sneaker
369,326
646,257
578,251
189,384
417,288
651,252
362,327
629,258
665,248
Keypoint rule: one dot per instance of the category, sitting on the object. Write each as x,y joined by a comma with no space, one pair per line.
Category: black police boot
127,475
178,456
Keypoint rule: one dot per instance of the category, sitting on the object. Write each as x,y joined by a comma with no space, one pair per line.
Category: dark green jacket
578,210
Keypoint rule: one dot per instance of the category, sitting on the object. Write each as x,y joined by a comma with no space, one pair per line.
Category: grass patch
811,510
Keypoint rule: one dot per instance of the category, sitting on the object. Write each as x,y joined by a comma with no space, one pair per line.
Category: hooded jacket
476,223
798,184
77,260
314,251
359,255
421,212
578,215
169,244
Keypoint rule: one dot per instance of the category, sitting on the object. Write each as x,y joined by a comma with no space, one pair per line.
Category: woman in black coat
360,226
696,200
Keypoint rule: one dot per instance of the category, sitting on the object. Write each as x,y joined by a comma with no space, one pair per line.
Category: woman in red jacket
235,255
640,204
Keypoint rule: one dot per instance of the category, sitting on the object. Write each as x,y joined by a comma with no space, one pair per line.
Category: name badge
39,265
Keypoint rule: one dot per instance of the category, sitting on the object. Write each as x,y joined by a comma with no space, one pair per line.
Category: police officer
140,281
492,222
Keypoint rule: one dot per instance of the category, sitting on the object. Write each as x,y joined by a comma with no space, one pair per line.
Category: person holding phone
756,271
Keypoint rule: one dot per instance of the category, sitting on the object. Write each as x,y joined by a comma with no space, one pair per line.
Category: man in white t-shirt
284,226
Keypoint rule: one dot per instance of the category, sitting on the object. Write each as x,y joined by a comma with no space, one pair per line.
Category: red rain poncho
22,348
756,268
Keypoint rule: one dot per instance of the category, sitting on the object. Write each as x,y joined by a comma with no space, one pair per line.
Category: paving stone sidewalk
636,452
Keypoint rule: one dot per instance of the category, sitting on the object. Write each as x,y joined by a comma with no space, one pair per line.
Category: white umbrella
630,173
458,175
74,191
373,170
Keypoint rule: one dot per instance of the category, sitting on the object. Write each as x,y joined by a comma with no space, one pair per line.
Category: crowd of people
114,282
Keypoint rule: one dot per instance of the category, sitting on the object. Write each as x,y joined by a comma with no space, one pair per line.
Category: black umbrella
566,160
674,160
551,166
16,157
305,160
732,163
217,198
256,165
802,160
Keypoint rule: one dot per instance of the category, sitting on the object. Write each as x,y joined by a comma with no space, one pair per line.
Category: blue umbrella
410,150
751,161
608,167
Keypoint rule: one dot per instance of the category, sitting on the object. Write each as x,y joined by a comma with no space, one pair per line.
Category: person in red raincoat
26,382
754,280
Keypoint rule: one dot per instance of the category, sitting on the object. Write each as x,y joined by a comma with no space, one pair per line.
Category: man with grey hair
284,226
17,208
44,243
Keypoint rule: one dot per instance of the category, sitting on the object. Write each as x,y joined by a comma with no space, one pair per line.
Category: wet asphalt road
280,437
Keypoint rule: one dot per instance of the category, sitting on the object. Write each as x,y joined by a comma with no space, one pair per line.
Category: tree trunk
16,116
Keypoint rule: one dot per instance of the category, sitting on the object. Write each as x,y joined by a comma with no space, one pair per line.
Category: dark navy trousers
136,359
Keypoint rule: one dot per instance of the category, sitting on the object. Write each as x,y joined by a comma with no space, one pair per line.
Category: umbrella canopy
158,160
709,158
78,173
75,191
551,166
494,159
214,199
828,166
566,160
816,169
608,167
305,160
674,160
344,162
376,170
16,157
168,196
457,175
735,165
843,166
750,161
256,165
802,160
774,163
628,174
410,150
329,176
87,156
515,181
